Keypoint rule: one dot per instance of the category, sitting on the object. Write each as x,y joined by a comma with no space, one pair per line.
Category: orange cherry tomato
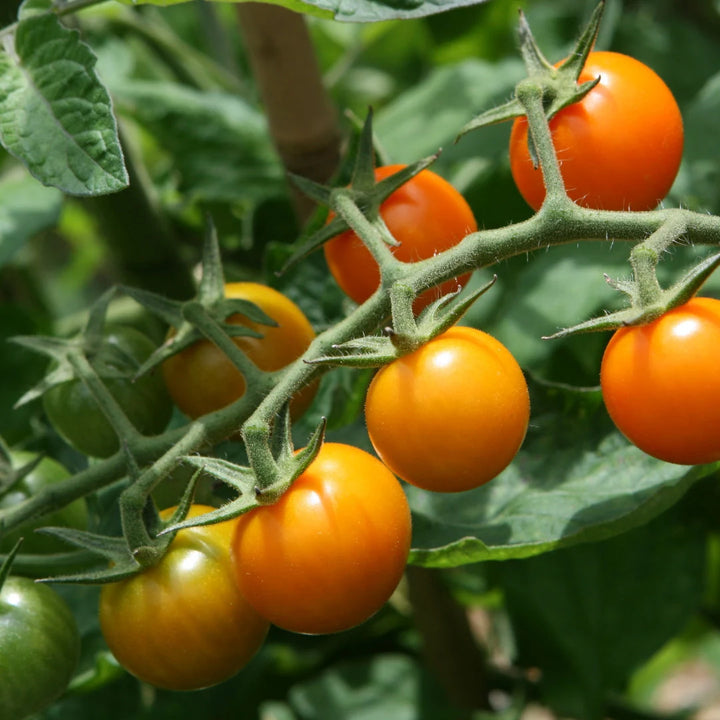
661,383
426,215
202,379
183,624
451,415
330,552
619,148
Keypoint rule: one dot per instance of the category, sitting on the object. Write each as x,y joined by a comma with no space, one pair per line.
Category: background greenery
628,600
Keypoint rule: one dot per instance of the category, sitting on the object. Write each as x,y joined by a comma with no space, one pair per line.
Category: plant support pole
301,117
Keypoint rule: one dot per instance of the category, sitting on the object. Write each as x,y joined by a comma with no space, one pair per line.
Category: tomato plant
661,385
619,148
45,474
451,415
39,647
75,415
426,215
201,378
182,624
330,552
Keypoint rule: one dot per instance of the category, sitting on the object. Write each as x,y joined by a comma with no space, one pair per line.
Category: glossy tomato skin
39,647
426,215
619,148
661,384
451,415
183,624
201,379
73,412
46,473
331,551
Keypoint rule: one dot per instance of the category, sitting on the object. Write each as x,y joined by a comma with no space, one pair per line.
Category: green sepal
119,563
377,350
685,288
10,476
7,563
364,352
239,478
108,360
363,190
447,311
209,306
676,295
560,87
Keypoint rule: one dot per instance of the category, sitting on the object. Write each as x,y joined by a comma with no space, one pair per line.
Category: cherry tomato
183,624
330,552
75,415
39,647
202,379
46,473
451,415
619,147
661,384
426,215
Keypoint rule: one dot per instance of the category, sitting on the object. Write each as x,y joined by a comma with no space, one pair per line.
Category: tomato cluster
447,417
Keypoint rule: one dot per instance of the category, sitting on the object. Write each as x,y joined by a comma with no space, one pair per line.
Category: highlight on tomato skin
451,415
202,379
331,551
183,624
619,148
661,385
426,215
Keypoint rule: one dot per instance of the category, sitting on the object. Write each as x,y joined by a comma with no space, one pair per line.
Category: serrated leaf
219,143
575,480
357,10
55,114
582,615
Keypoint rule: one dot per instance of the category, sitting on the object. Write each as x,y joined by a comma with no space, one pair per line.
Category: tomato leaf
358,11
64,132
384,686
579,615
575,480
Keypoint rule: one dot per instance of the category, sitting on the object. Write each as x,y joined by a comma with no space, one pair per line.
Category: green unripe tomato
39,647
46,472
76,416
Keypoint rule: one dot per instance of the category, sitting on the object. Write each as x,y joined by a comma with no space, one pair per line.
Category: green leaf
588,616
356,10
575,480
406,130
381,687
55,114
26,207
219,144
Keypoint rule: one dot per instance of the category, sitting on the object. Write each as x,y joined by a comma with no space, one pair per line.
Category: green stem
133,499
105,400
530,94
645,256
369,233
257,382
480,249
